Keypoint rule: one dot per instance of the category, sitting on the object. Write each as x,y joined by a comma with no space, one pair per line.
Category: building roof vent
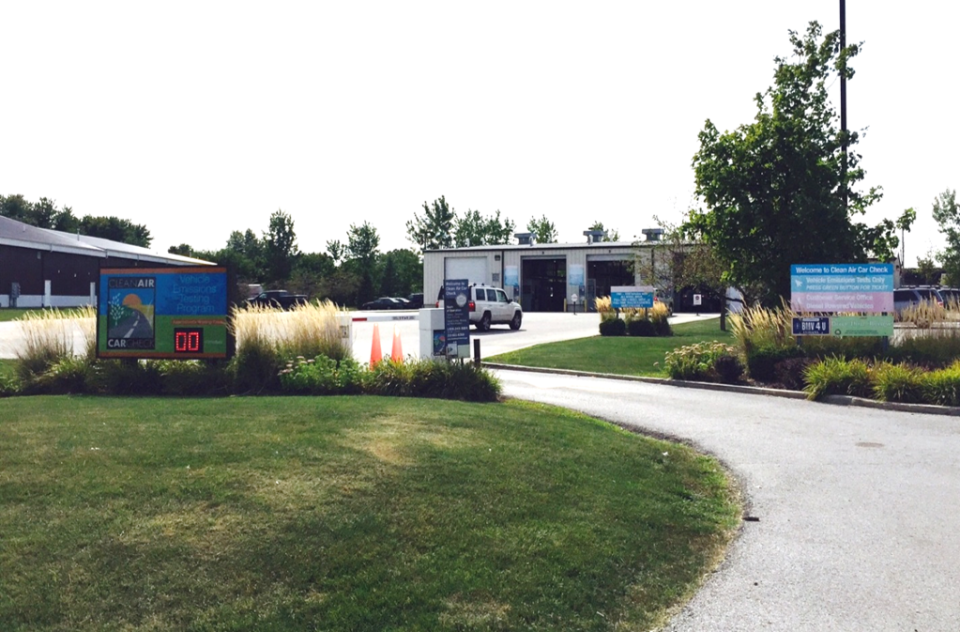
652,234
525,239
595,236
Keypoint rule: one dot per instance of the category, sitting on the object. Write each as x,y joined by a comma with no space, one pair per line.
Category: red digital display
188,340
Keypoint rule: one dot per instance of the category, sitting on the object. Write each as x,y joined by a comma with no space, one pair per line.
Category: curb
835,400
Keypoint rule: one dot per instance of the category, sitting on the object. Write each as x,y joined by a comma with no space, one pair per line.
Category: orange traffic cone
375,355
396,354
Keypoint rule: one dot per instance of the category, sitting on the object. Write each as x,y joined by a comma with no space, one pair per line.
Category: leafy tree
946,212
66,221
279,246
473,229
18,208
781,190
904,223
116,229
611,234
433,229
927,269
309,271
363,244
184,250
336,250
543,229
402,273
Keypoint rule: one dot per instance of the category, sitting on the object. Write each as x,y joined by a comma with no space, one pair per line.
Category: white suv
491,306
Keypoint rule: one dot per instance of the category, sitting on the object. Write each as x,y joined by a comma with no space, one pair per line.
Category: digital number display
188,340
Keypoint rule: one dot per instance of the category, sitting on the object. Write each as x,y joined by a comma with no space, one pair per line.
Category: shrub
761,328
934,348
126,377
322,376
47,338
897,383
255,368
728,368
762,362
612,327
698,362
790,372
641,327
836,376
943,386
193,378
69,375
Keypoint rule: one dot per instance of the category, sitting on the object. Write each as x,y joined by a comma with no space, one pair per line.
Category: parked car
905,297
951,297
384,302
416,300
490,306
278,298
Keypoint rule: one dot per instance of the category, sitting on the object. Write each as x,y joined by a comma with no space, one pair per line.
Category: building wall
70,276
501,264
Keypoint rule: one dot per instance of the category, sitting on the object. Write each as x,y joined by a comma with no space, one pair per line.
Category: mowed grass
13,313
621,355
345,513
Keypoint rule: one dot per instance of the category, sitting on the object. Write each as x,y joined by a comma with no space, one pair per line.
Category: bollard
476,352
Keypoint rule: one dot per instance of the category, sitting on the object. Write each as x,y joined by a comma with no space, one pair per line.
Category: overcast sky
200,118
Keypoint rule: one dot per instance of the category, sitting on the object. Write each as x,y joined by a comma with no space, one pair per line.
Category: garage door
473,269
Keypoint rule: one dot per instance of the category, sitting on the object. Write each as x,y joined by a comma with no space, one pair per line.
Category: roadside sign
173,313
811,326
853,287
697,300
622,296
456,317
860,326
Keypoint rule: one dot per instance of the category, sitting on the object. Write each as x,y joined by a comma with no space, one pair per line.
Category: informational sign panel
623,296
854,287
174,313
862,325
456,317
811,326
853,326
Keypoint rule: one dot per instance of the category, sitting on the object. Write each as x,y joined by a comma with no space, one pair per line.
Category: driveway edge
836,400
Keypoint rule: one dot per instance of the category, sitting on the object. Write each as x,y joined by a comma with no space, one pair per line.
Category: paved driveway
859,509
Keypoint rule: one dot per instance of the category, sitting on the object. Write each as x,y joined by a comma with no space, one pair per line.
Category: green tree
433,229
904,223
543,229
781,190
116,229
610,233
927,269
309,272
66,221
279,247
17,207
336,250
474,229
184,250
401,273
363,250
946,212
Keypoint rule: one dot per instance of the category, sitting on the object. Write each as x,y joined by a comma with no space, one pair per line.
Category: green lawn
13,313
345,513
622,355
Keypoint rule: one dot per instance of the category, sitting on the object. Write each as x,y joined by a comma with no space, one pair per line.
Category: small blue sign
811,326
631,296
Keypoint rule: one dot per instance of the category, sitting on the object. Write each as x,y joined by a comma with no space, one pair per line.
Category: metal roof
18,234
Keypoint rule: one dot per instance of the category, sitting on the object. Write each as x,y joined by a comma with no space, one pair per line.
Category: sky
197,119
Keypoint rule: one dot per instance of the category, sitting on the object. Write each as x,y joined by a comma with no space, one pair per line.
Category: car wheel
515,321
484,324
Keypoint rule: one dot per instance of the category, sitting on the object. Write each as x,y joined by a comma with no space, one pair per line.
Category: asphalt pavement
857,510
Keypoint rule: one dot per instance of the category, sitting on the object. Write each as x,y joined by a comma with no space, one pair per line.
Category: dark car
384,302
416,300
278,298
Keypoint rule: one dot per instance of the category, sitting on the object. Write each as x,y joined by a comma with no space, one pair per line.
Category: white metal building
542,277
